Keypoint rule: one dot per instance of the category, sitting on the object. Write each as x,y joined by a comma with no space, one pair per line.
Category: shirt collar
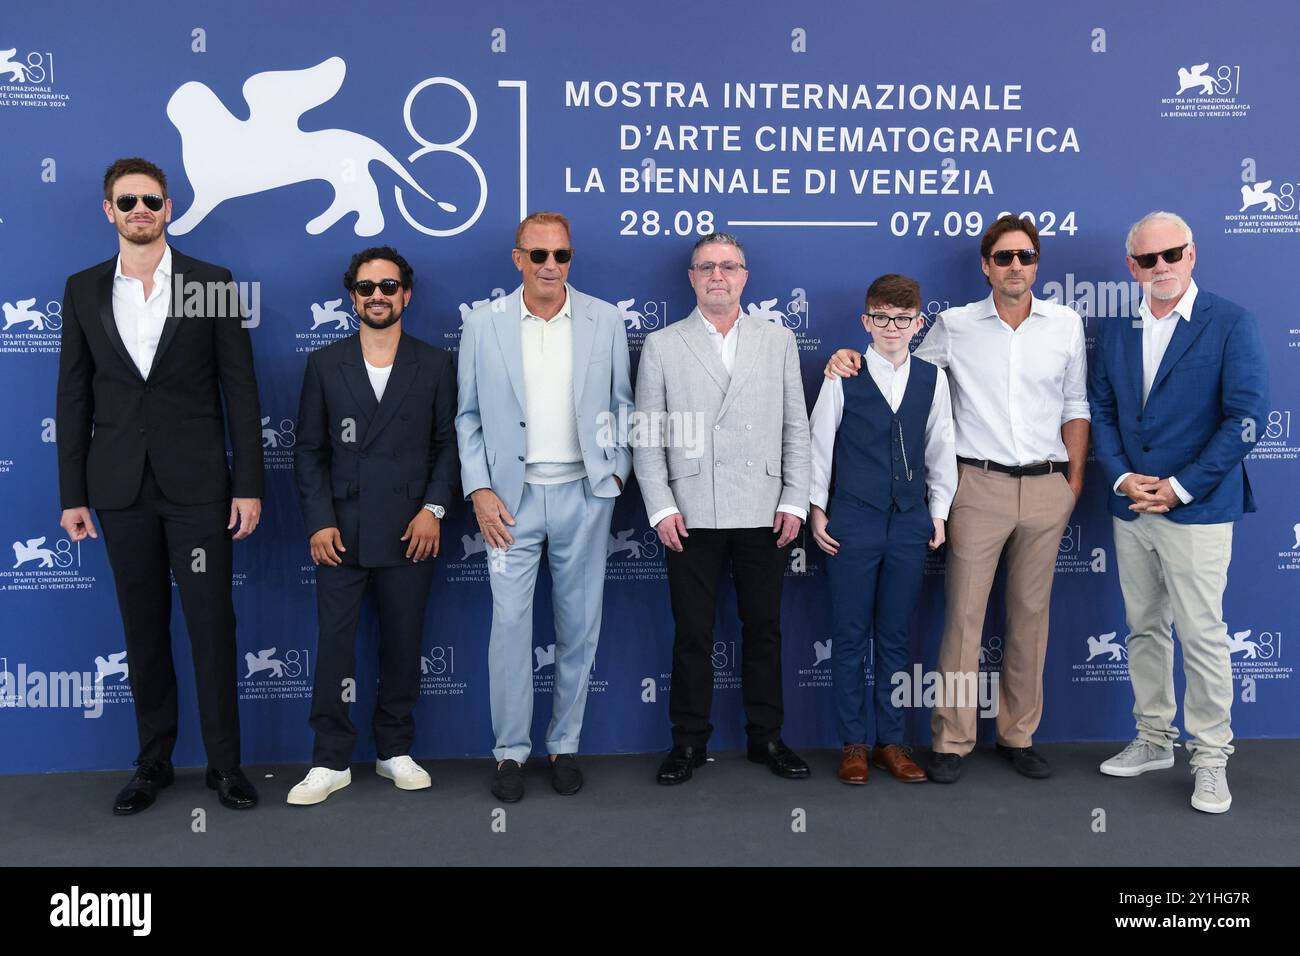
162,273
712,329
1183,309
564,309
882,363
990,309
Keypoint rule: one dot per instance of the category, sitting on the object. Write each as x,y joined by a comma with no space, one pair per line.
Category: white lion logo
1238,642
821,651
329,312
631,318
263,661
1258,195
473,544
1196,77
113,664
31,550
623,541
1104,644
22,311
765,311
545,656
226,157
17,71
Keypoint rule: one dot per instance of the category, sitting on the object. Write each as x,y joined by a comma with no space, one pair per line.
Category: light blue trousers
574,525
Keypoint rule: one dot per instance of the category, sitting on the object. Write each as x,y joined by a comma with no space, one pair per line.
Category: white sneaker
319,784
1137,758
1211,792
405,772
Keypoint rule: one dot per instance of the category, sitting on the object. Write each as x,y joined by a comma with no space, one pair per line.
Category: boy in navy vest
884,456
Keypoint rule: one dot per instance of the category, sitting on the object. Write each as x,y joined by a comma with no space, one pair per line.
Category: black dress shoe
780,759
1026,761
233,789
566,778
150,777
508,786
943,768
679,763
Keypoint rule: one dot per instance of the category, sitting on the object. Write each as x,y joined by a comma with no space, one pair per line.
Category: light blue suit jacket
491,423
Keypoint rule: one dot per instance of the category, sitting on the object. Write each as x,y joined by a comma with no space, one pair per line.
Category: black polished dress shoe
233,789
150,777
508,785
679,763
943,768
566,778
1026,761
780,759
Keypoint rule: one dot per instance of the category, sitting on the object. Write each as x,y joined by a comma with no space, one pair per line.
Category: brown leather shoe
898,761
854,767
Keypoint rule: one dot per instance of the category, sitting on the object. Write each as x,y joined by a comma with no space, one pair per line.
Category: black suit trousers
145,541
758,571
401,593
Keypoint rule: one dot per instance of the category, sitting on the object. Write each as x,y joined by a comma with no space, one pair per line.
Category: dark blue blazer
1208,402
366,467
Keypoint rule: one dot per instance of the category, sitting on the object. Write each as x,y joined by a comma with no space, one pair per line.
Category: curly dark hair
387,253
130,166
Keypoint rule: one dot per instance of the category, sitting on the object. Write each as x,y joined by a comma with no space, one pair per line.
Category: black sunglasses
367,286
1003,257
538,256
126,201
1148,259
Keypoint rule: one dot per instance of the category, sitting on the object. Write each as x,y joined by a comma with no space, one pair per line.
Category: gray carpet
731,813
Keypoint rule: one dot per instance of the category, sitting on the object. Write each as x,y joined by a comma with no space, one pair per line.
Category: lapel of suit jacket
506,323
751,333
584,337
353,370
399,383
1130,336
1185,333
180,265
698,342
104,292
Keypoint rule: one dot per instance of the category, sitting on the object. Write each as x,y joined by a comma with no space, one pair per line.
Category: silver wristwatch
436,510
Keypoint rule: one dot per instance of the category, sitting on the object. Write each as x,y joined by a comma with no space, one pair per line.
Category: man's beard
394,315
131,234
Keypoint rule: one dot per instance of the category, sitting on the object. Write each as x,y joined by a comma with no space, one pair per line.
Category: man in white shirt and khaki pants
1018,371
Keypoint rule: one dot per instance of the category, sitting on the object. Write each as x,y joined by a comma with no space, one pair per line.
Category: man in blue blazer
544,385
376,468
1177,400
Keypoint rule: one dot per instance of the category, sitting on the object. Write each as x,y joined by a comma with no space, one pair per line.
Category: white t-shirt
378,378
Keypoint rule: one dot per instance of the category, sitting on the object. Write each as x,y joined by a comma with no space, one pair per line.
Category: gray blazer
723,450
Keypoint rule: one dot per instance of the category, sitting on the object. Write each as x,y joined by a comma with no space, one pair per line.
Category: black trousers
147,542
401,594
758,570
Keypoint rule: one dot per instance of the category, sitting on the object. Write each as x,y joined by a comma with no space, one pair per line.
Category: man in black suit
377,467
142,378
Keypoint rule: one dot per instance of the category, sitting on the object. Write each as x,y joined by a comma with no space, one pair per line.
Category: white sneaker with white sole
319,783
405,772
1211,794
1137,758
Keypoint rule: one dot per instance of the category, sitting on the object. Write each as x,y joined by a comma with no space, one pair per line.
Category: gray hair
1158,216
723,238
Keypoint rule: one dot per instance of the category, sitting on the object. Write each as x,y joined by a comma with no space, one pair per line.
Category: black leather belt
1017,471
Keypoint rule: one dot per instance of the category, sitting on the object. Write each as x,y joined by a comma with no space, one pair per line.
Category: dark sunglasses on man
538,256
126,202
1003,257
364,287
1147,260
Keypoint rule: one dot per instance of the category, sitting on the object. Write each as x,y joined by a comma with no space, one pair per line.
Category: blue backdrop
839,140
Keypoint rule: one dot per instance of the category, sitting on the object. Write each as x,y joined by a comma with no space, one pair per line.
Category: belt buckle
1018,471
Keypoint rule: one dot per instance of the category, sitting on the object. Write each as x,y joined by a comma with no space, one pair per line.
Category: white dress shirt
1156,335
552,452
725,348
940,449
139,320
1012,389
378,378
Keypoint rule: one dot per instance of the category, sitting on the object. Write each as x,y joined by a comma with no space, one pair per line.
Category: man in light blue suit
544,378
1178,396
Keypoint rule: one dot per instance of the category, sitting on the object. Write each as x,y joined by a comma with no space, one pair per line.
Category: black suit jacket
109,417
367,467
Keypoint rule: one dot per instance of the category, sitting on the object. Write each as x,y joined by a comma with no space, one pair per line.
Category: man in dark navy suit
143,380
376,466
1178,396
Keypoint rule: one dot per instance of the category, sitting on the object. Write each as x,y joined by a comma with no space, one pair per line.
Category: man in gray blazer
738,491
543,372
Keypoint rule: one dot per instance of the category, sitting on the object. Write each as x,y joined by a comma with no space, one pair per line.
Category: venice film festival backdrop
839,141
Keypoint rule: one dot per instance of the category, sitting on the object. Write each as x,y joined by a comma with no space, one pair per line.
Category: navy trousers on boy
875,581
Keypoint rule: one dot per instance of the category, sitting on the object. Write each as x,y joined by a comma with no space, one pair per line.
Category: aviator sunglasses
126,202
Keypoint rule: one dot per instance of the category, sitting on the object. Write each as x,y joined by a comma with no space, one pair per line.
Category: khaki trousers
1026,516
1174,574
